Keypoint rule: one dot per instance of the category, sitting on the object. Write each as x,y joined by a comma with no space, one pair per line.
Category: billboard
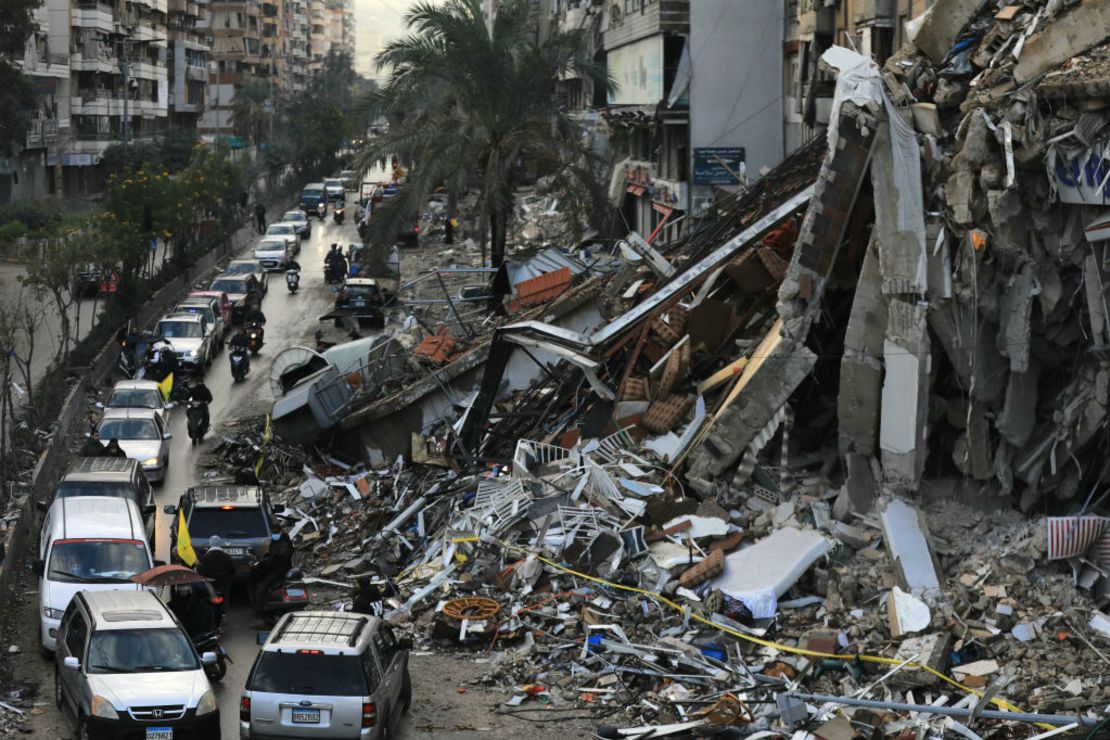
718,165
637,69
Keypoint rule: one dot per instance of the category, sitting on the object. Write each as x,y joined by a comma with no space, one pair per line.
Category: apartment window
615,16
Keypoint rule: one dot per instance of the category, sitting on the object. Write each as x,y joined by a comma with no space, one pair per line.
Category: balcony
663,16
197,73
877,12
87,14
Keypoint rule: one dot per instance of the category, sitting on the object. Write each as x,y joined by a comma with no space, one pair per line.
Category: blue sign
718,165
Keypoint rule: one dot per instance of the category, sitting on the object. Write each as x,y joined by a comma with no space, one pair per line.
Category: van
312,195
119,477
91,543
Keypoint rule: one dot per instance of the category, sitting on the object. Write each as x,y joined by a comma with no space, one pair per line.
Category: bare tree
26,316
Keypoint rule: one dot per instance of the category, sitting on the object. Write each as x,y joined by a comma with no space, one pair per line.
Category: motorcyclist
194,608
271,570
112,449
240,341
161,359
198,394
254,315
217,564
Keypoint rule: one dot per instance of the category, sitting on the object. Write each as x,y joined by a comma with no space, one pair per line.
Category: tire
83,731
57,689
406,691
46,654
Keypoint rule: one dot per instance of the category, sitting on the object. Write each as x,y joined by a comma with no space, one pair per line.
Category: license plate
295,593
306,716
159,733
236,551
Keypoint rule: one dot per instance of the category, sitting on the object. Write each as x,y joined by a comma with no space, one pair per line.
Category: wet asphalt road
290,319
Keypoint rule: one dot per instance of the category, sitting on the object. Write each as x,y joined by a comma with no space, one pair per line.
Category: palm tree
473,105
248,109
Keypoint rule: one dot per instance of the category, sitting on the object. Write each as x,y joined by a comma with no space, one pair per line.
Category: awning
637,190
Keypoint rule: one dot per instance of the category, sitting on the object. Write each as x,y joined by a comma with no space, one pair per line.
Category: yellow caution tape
1001,703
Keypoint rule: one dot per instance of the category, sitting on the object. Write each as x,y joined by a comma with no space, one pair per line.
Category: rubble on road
777,475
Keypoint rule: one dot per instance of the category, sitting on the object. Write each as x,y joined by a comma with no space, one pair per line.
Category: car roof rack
322,628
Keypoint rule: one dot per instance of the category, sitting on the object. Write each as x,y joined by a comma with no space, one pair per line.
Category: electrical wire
875,659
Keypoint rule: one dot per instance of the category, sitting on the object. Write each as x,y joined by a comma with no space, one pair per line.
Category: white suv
125,668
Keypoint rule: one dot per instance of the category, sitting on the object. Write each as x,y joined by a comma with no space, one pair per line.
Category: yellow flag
166,386
184,543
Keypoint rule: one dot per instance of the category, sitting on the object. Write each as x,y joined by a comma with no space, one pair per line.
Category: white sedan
142,435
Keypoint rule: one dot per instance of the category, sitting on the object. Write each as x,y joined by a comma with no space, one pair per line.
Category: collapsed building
857,415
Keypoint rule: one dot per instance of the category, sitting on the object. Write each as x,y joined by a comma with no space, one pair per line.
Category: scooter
210,642
333,272
197,420
322,210
292,280
338,213
288,595
240,363
255,334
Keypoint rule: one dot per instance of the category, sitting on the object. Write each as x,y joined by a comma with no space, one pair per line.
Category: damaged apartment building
917,294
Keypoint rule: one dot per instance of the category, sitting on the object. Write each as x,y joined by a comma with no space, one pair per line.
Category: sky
376,22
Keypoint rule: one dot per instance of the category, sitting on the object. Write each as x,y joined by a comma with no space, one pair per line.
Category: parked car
241,516
126,669
304,225
327,674
242,291
190,337
251,267
273,252
289,230
223,303
209,310
311,196
142,435
87,542
139,394
335,189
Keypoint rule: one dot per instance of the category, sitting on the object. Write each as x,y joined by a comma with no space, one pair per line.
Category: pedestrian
260,217
92,446
368,598
112,449
449,230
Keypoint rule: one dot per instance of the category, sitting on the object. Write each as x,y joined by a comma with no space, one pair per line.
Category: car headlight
101,707
151,462
191,354
207,703
51,613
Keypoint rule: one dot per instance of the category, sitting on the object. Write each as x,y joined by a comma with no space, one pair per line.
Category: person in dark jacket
217,564
92,446
271,570
112,449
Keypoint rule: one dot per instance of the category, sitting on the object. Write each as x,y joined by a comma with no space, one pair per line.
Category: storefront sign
718,165
1081,177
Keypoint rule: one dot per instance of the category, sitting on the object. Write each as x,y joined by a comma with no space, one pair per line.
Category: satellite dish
291,365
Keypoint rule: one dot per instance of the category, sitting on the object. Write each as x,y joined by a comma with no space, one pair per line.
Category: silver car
141,434
304,226
139,394
191,340
250,267
327,675
209,310
288,230
125,668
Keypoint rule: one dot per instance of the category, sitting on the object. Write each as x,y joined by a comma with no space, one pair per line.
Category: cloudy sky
377,21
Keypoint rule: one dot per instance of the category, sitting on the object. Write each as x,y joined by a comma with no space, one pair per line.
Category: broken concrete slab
908,614
861,368
772,565
1019,410
1072,33
907,539
905,396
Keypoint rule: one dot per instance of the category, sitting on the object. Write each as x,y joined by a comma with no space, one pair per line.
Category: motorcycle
240,363
197,417
322,210
333,272
255,334
292,280
210,642
287,595
338,213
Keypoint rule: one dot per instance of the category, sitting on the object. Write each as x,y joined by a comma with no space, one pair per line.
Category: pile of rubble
773,476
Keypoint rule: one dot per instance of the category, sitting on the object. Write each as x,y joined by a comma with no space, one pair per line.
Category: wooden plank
730,370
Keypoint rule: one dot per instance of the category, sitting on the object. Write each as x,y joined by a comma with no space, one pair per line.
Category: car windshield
97,561
294,216
311,193
244,268
141,651
271,246
70,488
180,329
362,291
280,229
135,398
333,183
243,522
230,285
203,311
144,429
308,674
